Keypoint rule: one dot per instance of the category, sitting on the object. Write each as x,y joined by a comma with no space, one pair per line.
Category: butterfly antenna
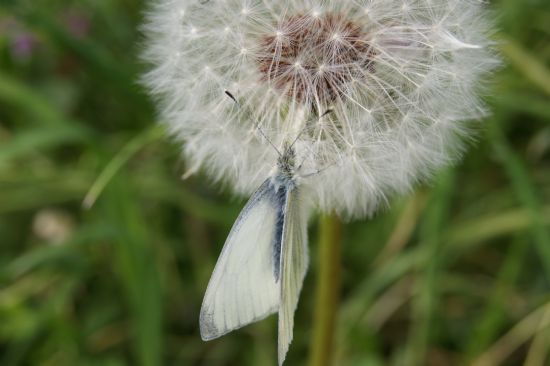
297,137
257,123
304,128
318,171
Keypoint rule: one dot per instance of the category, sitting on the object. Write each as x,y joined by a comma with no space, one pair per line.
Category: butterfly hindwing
294,262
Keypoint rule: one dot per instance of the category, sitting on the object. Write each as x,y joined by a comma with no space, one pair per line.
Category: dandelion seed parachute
401,78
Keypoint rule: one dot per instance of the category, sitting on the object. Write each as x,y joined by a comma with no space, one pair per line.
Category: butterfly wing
243,287
294,262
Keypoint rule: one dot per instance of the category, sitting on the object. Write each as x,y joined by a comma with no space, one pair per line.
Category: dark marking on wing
279,202
276,192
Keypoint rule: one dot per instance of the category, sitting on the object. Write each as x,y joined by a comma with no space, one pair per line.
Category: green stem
328,291
128,151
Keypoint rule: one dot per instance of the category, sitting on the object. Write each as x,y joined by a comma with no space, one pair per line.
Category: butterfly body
263,262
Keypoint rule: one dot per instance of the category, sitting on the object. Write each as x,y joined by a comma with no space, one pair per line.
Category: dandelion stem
328,289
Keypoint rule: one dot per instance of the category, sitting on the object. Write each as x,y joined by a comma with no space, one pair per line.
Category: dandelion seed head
291,64
400,77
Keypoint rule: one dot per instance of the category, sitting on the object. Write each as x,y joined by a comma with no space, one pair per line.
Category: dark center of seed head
312,58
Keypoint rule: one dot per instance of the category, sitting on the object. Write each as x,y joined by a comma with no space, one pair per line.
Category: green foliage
105,252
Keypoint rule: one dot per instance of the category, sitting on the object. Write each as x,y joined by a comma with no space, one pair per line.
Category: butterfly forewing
294,262
243,287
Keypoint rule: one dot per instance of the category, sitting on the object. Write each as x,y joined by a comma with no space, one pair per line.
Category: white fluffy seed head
399,77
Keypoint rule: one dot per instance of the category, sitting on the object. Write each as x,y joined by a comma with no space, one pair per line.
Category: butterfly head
286,164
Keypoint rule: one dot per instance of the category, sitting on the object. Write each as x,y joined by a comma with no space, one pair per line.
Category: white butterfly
263,261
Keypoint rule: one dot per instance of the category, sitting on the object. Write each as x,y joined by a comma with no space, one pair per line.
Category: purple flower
22,45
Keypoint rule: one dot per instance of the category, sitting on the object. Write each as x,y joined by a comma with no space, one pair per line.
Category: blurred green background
105,252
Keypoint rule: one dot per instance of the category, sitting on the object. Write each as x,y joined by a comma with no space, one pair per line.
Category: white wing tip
208,330
283,350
